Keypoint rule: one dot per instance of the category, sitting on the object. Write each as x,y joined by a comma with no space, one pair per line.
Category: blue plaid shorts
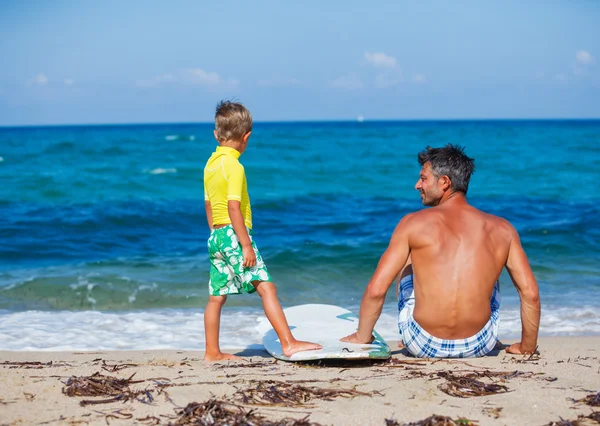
423,345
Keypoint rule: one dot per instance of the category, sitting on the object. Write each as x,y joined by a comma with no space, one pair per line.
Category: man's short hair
450,161
232,121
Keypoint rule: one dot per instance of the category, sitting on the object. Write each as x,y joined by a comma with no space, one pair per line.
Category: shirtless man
453,254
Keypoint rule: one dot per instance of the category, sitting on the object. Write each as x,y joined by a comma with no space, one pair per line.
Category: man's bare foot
299,346
220,357
401,344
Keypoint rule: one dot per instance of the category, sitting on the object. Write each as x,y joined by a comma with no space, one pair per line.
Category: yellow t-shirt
224,180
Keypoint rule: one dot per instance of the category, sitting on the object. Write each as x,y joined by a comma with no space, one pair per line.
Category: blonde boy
236,264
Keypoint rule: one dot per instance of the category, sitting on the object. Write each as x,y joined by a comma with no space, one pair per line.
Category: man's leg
212,324
276,317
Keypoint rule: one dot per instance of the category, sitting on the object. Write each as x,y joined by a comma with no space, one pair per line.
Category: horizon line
308,121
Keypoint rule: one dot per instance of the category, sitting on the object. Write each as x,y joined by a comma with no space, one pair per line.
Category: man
449,258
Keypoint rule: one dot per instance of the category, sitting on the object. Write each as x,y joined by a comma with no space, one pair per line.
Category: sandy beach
155,387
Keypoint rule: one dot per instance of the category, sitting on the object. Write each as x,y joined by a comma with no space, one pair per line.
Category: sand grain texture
154,387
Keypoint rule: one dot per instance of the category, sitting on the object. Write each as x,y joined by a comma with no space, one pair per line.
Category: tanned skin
457,254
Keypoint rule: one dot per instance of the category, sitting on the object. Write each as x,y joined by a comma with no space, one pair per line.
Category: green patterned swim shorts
227,273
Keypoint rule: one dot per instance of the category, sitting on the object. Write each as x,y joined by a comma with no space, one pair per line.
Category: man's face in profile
427,185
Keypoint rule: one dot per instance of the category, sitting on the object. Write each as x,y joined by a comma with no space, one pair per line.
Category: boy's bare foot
220,357
298,346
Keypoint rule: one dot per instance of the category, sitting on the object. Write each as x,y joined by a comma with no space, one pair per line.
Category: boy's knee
217,300
265,288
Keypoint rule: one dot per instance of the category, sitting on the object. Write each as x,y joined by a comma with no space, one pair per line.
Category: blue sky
76,62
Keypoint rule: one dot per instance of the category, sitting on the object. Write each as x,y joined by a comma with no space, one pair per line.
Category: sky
98,62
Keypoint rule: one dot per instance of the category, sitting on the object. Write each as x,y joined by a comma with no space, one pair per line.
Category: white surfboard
325,325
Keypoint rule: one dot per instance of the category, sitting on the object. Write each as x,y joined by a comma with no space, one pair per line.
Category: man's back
457,255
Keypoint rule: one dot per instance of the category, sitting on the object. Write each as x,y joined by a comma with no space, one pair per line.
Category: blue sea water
103,231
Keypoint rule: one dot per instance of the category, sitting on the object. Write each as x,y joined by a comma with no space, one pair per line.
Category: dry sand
540,389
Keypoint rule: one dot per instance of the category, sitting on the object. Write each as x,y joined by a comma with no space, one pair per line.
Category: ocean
103,231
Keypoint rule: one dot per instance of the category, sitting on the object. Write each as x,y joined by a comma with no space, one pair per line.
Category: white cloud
583,63
350,81
38,80
68,82
583,57
380,60
189,76
418,78
205,78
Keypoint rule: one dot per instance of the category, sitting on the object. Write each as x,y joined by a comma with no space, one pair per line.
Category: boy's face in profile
245,140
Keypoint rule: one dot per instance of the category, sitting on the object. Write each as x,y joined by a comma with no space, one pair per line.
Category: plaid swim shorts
227,273
423,345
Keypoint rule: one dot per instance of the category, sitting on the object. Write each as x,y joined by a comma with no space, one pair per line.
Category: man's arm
237,221
391,263
522,276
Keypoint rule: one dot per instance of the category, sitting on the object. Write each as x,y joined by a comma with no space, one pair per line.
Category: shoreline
531,390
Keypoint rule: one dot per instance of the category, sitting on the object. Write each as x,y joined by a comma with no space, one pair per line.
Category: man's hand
517,349
353,338
249,257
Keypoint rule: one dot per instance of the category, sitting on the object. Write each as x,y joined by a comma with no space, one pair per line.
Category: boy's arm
390,265
208,209
522,276
237,221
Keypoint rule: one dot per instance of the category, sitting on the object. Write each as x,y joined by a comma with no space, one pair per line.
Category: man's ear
216,135
246,136
445,182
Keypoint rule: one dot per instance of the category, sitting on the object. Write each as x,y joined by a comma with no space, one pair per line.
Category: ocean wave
180,137
60,147
160,171
99,292
182,329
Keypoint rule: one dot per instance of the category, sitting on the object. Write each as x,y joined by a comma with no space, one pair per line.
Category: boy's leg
276,317
212,324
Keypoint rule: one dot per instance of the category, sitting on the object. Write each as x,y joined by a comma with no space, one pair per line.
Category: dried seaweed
493,411
256,364
535,356
595,416
116,367
99,385
273,393
393,362
434,420
149,420
215,412
465,386
342,363
592,400
34,364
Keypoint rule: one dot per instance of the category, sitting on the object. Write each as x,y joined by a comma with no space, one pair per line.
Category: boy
236,264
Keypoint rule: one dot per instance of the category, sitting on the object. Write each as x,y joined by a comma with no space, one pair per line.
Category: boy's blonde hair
232,121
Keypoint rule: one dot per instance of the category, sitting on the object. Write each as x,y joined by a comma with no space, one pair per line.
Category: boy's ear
247,136
216,136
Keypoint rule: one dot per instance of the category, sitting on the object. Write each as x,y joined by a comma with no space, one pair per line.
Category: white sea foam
180,137
184,329
161,171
